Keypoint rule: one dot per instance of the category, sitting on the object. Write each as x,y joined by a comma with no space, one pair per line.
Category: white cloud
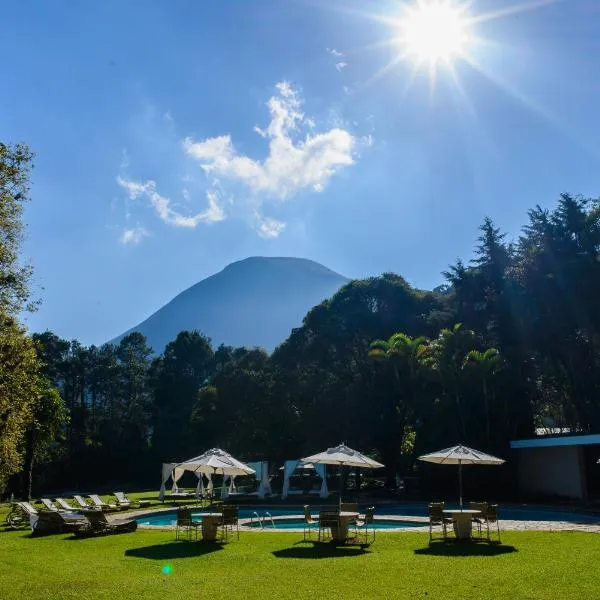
300,156
334,52
133,236
162,205
294,161
269,228
341,65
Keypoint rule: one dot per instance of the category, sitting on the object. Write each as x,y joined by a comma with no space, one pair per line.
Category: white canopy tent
292,465
213,462
461,455
261,469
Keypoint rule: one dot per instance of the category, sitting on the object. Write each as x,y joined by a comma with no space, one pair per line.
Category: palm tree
401,351
484,365
445,358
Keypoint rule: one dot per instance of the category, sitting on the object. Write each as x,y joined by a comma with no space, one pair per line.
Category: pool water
299,524
412,510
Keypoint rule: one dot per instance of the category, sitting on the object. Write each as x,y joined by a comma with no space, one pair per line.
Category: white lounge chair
64,504
81,502
99,503
124,502
49,504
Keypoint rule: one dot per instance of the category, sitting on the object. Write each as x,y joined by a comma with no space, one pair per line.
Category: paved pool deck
505,524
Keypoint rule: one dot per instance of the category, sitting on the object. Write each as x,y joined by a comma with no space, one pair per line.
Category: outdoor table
461,520
340,533
210,523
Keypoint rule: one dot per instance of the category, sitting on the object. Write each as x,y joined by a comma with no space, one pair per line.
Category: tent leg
460,496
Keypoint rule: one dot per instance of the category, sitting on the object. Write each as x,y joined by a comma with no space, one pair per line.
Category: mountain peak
255,301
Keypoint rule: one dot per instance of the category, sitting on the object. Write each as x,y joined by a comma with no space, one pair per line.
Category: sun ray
512,10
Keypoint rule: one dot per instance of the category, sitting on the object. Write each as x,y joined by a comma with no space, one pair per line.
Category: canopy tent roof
216,461
343,456
461,455
301,466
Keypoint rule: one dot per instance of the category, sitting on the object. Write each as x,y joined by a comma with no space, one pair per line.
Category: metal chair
491,516
436,517
309,522
368,521
478,520
229,521
185,525
328,519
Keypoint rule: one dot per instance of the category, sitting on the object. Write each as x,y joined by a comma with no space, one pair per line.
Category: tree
18,361
485,365
15,166
49,415
18,393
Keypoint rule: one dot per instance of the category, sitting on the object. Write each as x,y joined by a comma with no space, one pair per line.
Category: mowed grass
527,565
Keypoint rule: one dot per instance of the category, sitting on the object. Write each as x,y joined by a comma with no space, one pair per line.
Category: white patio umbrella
216,461
461,455
343,456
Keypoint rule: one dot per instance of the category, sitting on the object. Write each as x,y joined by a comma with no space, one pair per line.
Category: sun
435,31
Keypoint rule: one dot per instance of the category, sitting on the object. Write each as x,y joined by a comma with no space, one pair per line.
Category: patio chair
97,524
478,520
491,516
49,504
229,521
365,524
64,504
97,502
83,504
52,521
19,515
124,502
437,518
309,522
328,519
186,527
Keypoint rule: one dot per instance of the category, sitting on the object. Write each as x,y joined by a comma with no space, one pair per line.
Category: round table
340,533
210,524
462,522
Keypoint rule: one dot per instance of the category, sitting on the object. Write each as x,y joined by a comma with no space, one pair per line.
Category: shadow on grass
174,550
465,549
320,550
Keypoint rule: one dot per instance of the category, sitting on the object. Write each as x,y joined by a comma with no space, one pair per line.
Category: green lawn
528,565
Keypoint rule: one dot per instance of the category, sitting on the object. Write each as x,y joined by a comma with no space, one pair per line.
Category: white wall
552,470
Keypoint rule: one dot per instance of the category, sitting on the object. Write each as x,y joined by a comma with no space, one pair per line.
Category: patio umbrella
216,462
343,456
461,455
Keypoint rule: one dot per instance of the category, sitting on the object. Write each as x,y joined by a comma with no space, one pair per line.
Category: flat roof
563,440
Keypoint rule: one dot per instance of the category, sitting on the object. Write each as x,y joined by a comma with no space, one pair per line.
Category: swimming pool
513,513
299,524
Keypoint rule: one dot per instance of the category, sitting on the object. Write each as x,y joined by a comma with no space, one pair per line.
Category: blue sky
173,138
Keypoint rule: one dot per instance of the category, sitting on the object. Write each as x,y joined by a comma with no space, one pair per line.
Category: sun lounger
49,504
20,514
81,502
98,524
64,504
50,521
99,503
124,502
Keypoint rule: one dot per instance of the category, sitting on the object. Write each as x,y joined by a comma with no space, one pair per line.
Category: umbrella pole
460,495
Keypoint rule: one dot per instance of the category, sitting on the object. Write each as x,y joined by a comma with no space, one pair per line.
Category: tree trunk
487,410
27,476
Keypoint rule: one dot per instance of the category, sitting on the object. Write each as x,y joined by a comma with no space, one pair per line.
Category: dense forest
510,343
